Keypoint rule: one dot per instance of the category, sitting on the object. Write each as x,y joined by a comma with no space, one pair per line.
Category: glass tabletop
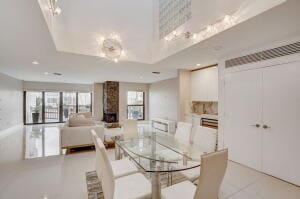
156,151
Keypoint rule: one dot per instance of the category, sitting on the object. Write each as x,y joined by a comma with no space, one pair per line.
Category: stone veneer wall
111,97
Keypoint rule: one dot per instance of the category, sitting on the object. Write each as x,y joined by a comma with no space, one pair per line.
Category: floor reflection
42,141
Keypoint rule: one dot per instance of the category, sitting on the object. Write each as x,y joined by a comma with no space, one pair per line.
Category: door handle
256,125
266,126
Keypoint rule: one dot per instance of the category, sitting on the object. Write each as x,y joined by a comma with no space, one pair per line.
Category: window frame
60,115
134,105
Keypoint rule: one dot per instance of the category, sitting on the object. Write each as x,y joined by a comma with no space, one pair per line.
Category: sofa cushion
78,121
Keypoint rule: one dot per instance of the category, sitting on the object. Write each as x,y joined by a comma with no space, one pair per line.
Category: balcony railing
51,113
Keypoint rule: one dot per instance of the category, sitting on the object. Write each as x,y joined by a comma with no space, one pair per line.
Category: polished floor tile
241,176
243,195
269,187
63,176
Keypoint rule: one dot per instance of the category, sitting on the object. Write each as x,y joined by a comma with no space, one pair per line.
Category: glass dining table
157,152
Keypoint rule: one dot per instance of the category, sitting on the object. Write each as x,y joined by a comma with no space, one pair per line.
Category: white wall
49,86
184,96
123,88
98,100
163,99
11,102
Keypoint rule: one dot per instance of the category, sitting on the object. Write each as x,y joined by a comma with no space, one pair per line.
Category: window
69,104
34,107
52,103
84,102
50,107
135,105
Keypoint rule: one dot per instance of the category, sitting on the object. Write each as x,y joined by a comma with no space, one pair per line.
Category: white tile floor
60,176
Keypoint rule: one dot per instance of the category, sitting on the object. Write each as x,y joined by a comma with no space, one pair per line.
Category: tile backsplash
200,107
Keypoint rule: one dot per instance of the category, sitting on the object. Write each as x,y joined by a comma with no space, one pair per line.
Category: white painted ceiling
68,46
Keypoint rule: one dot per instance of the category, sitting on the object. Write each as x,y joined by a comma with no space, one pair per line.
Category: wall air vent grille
264,55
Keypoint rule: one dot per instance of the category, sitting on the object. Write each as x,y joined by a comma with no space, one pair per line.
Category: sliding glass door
69,104
52,107
34,107
84,102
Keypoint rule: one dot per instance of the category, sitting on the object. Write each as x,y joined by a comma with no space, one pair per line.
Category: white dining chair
120,168
183,132
206,138
130,129
213,167
134,186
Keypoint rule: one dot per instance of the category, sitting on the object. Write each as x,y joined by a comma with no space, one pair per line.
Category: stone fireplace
110,117
111,102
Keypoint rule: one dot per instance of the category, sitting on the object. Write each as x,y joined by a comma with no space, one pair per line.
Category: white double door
262,119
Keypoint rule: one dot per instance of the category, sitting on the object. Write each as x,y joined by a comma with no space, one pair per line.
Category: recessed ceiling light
198,64
141,77
57,74
116,60
156,73
46,73
35,62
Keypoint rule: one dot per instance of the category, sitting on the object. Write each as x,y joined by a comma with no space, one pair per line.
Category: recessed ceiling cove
147,31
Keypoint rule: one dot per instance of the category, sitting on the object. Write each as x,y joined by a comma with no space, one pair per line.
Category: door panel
281,152
243,109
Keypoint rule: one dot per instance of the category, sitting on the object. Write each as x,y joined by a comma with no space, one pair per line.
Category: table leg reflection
117,152
155,181
155,185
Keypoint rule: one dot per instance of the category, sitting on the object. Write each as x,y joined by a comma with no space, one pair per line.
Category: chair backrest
213,168
108,182
85,114
94,136
183,131
130,129
98,155
206,138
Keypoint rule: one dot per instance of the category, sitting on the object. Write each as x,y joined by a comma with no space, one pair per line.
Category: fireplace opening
110,117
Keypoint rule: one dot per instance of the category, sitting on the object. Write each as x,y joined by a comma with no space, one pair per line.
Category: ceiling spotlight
198,64
54,8
123,53
156,72
195,36
209,28
229,20
173,36
116,60
57,11
46,73
35,62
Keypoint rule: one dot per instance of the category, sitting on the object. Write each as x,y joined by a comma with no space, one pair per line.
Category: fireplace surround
111,102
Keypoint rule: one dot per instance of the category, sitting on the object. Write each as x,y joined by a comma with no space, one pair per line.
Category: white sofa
79,136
